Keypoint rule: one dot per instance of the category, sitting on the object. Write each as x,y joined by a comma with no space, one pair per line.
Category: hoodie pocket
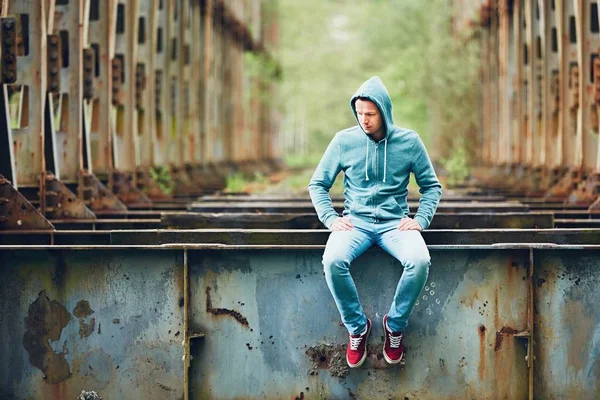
390,209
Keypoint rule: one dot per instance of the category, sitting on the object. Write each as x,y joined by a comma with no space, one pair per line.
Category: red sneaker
356,354
393,349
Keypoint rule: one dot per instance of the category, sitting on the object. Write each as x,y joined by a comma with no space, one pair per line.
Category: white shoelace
395,341
355,342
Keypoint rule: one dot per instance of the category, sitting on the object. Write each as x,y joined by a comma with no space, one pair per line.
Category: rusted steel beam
280,237
253,297
98,127
125,114
66,104
106,224
587,50
145,102
310,220
287,237
27,140
16,213
588,190
162,137
303,198
569,92
55,238
552,152
308,207
504,81
577,223
124,68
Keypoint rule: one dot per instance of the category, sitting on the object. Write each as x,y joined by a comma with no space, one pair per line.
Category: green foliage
456,165
163,179
240,182
235,182
299,161
260,66
328,48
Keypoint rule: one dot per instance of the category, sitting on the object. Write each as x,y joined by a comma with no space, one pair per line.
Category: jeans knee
334,265
419,263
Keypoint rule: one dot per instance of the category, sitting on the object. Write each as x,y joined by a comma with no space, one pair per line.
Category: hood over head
374,90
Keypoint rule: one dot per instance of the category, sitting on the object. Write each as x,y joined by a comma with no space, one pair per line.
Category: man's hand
409,224
341,224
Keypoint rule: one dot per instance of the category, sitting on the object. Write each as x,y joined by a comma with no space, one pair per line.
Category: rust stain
45,321
496,311
58,391
511,272
82,310
505,331
329,357
224,311
470,299
86,329
481,369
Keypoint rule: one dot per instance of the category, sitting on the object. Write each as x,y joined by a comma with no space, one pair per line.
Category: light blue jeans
343,247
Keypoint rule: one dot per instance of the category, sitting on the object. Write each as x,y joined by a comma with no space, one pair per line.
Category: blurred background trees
329,47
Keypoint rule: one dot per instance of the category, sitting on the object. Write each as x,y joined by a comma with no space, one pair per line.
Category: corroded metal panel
550,89
124,67
112,320
109,321
270,322
98,109
588,46
28,139
567,335
70,25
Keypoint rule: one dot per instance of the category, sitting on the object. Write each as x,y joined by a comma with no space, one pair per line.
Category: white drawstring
384,158
367,160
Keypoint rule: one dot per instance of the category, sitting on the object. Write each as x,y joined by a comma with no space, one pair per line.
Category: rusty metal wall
108,321
260,324
540,95
99,95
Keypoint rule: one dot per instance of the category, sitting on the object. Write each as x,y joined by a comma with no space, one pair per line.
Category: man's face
369,117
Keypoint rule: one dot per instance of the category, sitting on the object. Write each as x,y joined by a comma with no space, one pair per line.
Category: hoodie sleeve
328,169
429,185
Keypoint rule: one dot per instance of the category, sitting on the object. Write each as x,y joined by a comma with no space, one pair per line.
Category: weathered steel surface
107,224
310,221
16,213
319,237
567,338
265,207
284,237
83,319
305,198
451,339
110,321
577,223
42,238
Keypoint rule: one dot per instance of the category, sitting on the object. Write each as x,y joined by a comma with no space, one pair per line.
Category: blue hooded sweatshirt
376,174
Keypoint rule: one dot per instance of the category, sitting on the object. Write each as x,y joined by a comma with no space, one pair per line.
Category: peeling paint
45,321
81,311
